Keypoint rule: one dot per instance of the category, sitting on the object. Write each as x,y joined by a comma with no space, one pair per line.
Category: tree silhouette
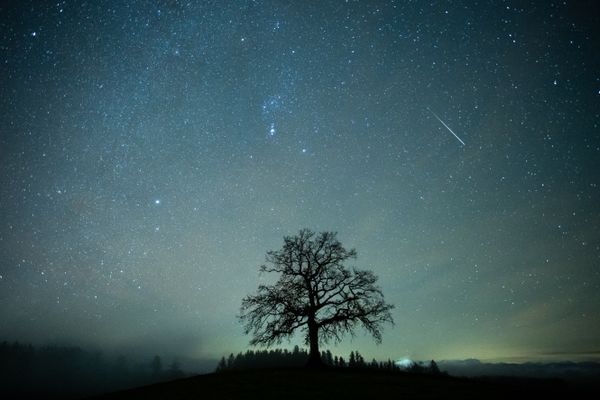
315,294
175,371
67,372
433,368
156,366
222,366
352,360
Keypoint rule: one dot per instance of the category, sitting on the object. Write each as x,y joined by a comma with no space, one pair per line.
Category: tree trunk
314,355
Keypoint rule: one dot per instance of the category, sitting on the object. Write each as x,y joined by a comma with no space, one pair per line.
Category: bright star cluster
151,152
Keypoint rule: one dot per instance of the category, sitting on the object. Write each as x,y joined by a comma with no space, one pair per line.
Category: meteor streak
447,127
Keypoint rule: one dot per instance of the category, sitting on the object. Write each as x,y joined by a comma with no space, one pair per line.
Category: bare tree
315,294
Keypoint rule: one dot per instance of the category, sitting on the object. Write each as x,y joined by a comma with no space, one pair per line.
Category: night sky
151,152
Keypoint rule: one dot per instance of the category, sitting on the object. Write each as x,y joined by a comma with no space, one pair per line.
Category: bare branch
314,289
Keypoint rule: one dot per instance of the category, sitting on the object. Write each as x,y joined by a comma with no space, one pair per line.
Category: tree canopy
315,293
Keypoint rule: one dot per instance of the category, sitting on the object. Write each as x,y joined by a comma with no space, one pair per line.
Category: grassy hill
343,384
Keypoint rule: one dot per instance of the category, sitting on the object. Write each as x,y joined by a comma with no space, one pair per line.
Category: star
253,124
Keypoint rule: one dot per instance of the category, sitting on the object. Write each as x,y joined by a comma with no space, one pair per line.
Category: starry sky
151,152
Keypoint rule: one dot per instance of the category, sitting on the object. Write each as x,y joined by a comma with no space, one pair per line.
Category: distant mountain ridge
567,370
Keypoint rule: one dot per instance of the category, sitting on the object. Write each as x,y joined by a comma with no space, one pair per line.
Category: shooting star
447,127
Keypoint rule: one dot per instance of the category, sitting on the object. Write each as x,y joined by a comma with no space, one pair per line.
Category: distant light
157,201
405,363
304,150
34,33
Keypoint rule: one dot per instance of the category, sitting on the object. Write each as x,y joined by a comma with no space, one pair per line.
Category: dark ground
346,384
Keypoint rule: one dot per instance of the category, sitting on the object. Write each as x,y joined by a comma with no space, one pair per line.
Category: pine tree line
282,358
71,372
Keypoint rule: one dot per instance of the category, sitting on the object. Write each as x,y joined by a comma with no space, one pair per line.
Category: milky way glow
152,152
